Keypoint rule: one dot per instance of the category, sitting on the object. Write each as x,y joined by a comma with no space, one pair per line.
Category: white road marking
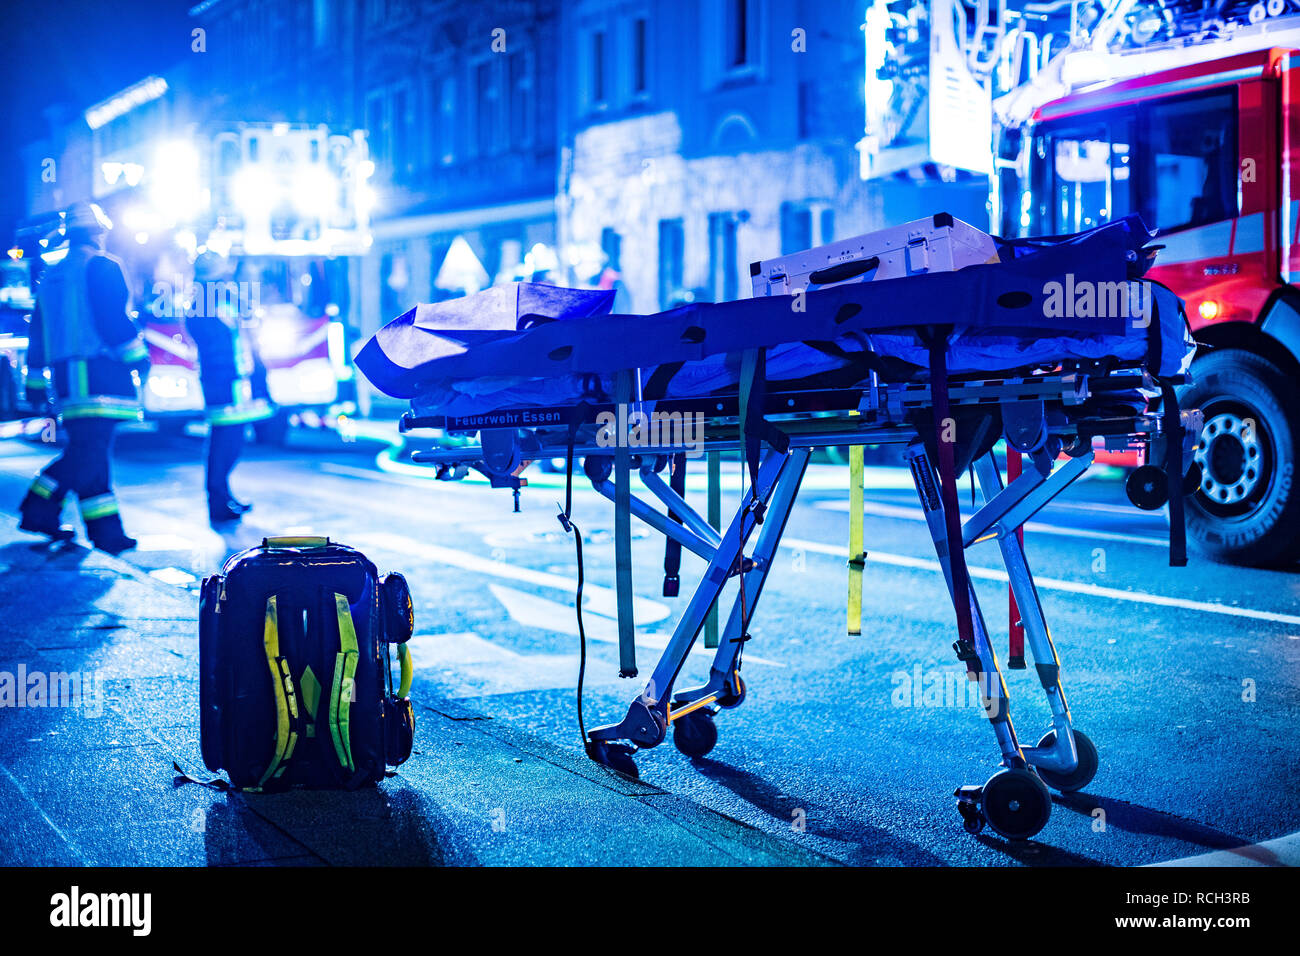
173,576
370,474
599,600
168,542
1284,851
907,513
533,611
467,665
1056,584
456,647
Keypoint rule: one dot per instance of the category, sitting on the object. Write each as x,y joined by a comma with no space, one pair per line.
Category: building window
796,228
322,22
723,277
485,104
737,27
598,67
805,225
732,38
521,98
447,124
639,56
672,261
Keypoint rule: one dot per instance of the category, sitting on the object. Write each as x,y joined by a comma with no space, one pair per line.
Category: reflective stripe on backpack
343,692
286,698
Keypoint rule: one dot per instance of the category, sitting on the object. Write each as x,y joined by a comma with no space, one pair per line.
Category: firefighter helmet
86,217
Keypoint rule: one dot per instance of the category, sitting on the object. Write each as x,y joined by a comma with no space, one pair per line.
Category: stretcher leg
1061,757
1015,629
992,687
725,688
646,722
1014,801
714,495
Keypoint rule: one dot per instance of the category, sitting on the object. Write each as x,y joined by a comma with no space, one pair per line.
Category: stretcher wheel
1148,488
734,700
1080,776
695,734
615,757
972,820
1016,803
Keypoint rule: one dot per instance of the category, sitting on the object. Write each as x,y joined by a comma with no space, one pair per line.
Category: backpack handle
301,541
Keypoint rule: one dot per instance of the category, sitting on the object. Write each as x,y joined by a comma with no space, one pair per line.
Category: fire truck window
1192,161
1089,175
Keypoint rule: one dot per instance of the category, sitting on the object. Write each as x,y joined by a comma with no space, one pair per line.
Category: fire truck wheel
1246,509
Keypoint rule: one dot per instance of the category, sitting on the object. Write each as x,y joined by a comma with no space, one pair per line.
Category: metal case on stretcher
938,243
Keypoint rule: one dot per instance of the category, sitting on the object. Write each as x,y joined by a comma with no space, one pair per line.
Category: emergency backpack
296,678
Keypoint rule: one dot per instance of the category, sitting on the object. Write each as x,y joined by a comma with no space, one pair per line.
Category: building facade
698,137
458,100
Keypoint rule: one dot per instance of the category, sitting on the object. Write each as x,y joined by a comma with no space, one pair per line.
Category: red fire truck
1197,132
1181,110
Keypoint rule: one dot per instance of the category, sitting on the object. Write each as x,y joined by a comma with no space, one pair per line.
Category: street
1187,680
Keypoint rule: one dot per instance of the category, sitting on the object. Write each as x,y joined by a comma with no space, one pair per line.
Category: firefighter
82,333
233,397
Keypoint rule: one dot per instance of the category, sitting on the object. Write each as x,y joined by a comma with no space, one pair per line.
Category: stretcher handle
301,541
844,270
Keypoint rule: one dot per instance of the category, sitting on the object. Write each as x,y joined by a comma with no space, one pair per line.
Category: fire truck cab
1206,154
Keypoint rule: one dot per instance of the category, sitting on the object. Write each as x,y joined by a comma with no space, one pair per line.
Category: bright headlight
278,339
169,386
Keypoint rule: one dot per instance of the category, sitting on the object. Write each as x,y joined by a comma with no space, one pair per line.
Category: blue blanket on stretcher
1075,298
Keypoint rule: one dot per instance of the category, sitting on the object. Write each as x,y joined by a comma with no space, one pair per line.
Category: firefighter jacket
82,333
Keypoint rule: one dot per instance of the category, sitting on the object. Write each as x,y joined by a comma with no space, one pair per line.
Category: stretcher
931,335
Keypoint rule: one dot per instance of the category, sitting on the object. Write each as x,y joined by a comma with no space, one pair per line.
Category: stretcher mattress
1075,299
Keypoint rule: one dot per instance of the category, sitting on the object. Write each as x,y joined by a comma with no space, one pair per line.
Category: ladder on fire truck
1047,50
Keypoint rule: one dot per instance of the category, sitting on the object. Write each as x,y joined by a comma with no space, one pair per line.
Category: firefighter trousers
225,442
84,470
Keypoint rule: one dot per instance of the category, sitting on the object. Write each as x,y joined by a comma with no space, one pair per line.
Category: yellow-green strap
345,672
80,375
300,541
286,700
855,539
408,670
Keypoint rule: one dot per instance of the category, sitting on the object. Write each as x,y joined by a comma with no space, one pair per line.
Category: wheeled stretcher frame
1015,801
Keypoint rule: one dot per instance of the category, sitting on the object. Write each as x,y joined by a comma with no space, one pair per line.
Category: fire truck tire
1246,509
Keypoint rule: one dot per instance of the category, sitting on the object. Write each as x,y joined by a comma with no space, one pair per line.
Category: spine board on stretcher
932,335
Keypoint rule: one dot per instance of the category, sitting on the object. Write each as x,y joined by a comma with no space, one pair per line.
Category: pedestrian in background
232,397
81,331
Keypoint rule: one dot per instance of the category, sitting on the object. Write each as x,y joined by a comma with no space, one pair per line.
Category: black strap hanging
1174,434
673,547
947,465
755,428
